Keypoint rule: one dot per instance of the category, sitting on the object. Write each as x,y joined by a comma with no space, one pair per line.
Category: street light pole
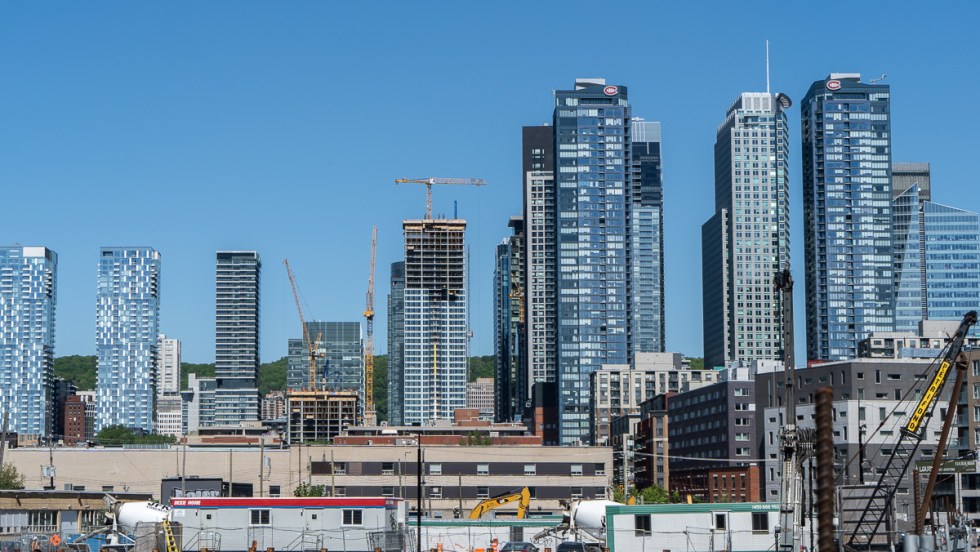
861,429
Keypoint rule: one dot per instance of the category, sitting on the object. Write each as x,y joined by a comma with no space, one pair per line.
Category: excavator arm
522,497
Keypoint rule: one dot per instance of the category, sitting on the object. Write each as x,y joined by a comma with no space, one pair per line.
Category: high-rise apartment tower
847,214
593,168
28,284
746,242
127,327
435,326
236,398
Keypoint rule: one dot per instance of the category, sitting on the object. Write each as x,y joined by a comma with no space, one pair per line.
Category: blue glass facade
847,211
127,327
592,160
647,239
396,344
937,261
747,241
341,360
28,283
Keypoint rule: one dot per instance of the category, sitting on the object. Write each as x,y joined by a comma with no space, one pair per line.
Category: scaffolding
319,416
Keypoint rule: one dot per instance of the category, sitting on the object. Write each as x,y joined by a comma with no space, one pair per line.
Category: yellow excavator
522,497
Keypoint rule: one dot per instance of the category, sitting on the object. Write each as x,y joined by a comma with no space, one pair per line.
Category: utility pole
261,464
418,499
183,471
3,437
230,476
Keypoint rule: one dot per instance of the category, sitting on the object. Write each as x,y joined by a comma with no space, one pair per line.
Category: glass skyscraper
647,239
340,361
937,260
510,380
396,344
236,398
746,242
127,328
593,164
847,214
28,284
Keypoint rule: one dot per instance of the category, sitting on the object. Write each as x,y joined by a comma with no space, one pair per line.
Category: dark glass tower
237,337
592,176
647,239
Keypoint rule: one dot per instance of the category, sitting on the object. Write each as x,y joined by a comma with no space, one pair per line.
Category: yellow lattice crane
370,416
432,180
312,346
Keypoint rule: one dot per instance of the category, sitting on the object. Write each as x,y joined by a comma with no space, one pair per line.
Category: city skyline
210,140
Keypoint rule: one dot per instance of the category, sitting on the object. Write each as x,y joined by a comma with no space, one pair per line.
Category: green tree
200,370
381,386
10,478
77,369
116,435
476,439
272,376
310,490
697,363
481,367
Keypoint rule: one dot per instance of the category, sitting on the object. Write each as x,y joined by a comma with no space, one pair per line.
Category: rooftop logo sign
833,85
610,90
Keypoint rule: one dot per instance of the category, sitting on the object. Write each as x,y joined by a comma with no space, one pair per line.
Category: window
760,522
387,468
721,521
483,469
530,469
576,492
387,491
340,491
435,492
641,525
107,488
483,492
742,451
353,517
600,468
435,469
576,469
42,520
339,468
275,490
259,517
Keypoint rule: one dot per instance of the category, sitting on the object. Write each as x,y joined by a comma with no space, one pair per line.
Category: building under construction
435,328
319,416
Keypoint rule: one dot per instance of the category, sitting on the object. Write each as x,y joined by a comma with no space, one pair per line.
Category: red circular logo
833,85
610,90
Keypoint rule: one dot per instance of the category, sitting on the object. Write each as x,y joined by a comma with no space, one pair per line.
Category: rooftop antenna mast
767,66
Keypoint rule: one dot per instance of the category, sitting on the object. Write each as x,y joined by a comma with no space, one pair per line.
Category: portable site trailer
336,523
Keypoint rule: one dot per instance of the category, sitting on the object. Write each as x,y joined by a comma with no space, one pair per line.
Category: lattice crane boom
369,345
433,180
311,346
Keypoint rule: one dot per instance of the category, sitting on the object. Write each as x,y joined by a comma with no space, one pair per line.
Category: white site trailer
336,523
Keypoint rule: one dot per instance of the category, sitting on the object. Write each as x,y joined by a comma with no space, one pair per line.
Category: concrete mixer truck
582,520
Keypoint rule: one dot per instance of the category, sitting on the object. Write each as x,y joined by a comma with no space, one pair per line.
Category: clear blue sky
193,127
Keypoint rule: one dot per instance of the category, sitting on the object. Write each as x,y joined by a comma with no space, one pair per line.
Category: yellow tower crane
370,416
432,180
312,346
